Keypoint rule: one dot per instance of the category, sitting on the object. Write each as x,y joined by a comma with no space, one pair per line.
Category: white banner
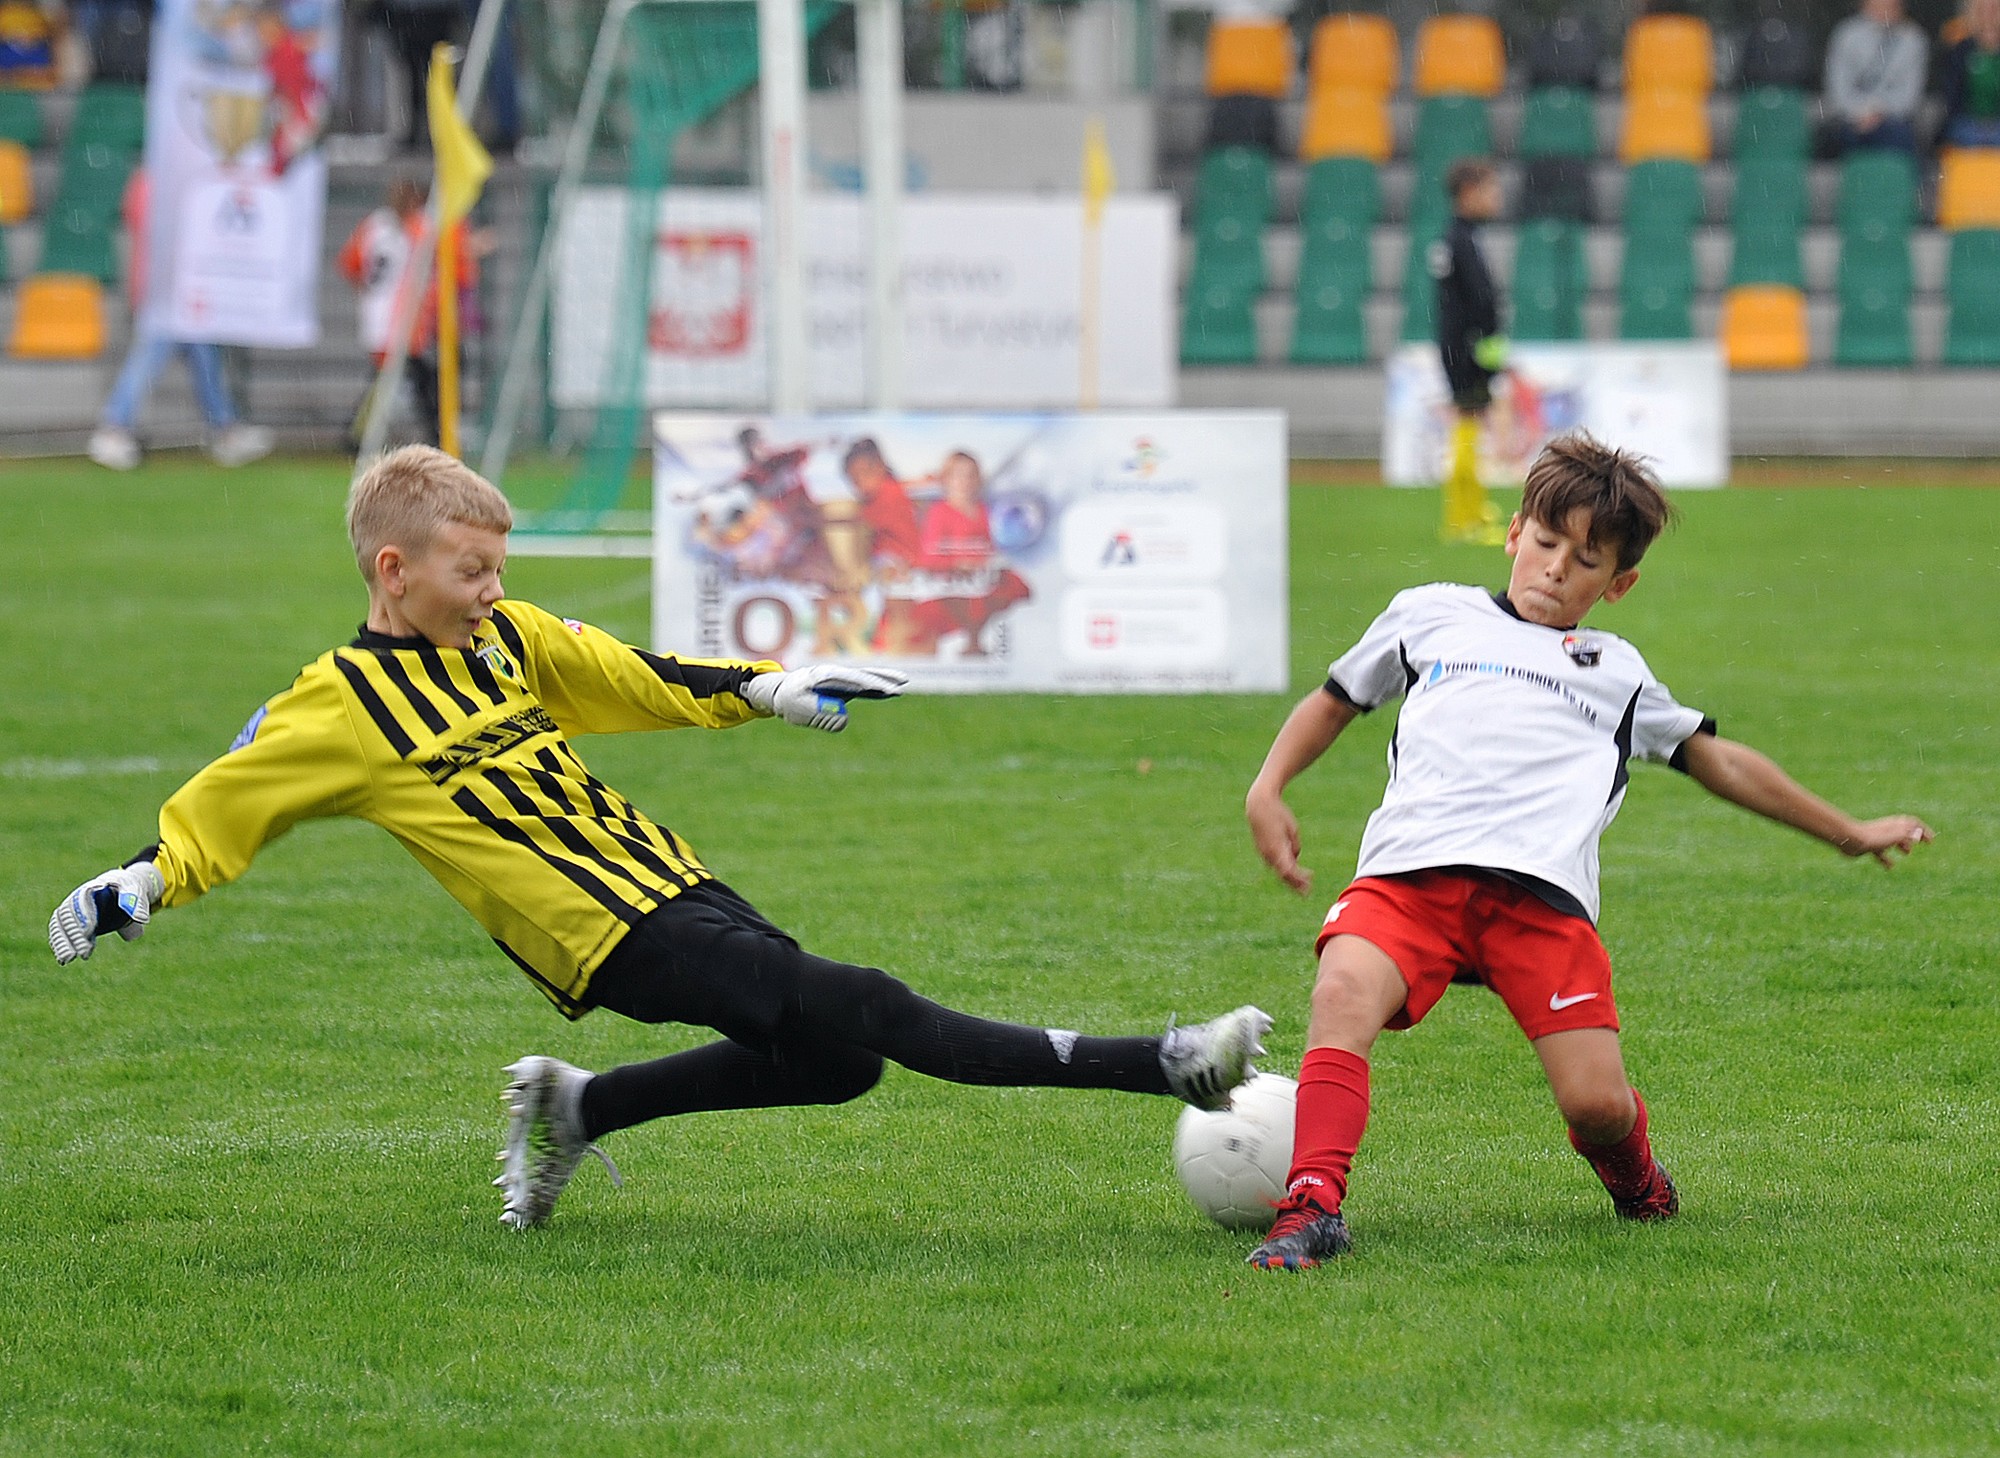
1667,401
992,301
1140,553
235,109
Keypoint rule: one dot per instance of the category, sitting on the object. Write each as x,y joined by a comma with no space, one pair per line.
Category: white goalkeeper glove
120,901
816,697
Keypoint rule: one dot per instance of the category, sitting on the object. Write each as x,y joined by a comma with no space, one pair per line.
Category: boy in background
1469,342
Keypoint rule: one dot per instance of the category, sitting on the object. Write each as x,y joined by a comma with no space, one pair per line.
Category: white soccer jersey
383,247
1510,753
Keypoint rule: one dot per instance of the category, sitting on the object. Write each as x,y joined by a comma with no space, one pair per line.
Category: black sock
725,1075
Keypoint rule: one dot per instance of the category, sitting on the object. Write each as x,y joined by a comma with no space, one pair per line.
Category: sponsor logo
1334,915
1119,552
1587,652
1557,1002
495,739
1304,1182
249,731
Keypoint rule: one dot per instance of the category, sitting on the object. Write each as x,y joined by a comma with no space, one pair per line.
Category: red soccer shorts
1549,967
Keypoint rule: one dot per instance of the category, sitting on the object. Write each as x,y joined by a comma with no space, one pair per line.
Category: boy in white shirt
1508,761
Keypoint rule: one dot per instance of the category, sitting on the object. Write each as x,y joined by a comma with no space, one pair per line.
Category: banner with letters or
235,110
992,301
1668,401
1102,553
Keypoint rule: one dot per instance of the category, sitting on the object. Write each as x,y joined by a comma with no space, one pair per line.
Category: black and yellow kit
463,755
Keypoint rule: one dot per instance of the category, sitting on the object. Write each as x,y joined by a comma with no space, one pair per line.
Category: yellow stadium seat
58,316
1250,58
17,182
1669,52
1344,123
1460,55
1354,52
1969,192
1764,328
1664,124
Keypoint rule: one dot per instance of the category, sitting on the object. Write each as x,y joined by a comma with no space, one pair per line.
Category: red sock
1332,1113
1623,1166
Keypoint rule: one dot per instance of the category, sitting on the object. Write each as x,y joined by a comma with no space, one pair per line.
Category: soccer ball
1233,1163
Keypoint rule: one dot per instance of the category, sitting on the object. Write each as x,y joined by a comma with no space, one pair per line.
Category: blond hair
409,495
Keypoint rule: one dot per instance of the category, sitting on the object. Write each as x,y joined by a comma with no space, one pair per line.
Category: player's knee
850,1073
1342,992
1600,1115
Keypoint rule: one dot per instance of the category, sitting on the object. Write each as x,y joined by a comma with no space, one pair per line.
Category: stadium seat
114,116
1660,123
1566,52
1235,182
1242,121
1342,187
1250,58
1771,122
1551,280
1346,123
1228,253
1878,193
1669,53
58,316
1656,286
1218,326
1559,121
1969,189
1972,329
79,238
1460,55
17,182
1451,127
1874,329
1335,277
21,117
1662,195
1764,328
1354,52
1419,286
1556,187
1767,219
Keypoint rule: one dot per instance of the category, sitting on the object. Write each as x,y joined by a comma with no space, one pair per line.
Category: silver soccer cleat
1203,1063
545,1140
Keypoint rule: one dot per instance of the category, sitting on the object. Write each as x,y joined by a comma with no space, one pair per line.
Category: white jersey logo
1557,1002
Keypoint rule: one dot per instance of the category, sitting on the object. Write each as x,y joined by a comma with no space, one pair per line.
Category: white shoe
241,444
114,449
545,1141
1204,1062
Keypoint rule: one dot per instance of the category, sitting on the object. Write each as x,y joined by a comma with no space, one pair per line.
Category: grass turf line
243,1162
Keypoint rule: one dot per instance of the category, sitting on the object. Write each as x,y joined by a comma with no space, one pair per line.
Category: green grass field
244,1163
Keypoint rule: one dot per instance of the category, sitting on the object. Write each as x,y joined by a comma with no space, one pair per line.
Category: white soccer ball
1233,1163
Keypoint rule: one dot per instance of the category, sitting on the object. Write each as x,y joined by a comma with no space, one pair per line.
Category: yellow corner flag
1098,182
1098,178
462,169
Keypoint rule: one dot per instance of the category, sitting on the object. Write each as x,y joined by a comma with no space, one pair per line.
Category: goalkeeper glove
1490,353
816,697
120,901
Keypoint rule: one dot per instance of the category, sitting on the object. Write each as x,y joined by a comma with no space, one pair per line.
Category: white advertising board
234,113
1103,553
992,301
1667,401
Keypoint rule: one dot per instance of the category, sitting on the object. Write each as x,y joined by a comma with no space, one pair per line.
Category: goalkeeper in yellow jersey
1470,344
447,722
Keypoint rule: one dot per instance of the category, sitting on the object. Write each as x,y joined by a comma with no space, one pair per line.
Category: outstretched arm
1307,734
1742,776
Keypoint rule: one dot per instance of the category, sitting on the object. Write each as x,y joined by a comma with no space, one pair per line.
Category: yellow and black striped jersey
463,755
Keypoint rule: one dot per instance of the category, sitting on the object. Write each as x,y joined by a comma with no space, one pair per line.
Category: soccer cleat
1205,1061
545,1139
1303,1235
114,449
1657,1200
239,445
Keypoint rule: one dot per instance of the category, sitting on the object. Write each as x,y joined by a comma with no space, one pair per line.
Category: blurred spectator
415,27
27,45
1875,68
1972,80
502,88
113,443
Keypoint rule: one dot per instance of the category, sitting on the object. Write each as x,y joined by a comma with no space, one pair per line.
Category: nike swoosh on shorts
1557,1002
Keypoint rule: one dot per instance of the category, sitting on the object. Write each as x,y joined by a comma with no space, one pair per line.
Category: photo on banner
1141,553
235,112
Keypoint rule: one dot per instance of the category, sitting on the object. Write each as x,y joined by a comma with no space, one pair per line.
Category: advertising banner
1667,401
1113,553
235,109
992,301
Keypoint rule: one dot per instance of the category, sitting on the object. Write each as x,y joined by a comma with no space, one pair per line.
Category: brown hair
1465,174
409,494
1626,505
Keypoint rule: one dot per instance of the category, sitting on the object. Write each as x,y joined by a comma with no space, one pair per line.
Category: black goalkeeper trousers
800,1029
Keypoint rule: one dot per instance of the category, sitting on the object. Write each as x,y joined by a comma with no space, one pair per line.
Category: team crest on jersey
1587,652
495,657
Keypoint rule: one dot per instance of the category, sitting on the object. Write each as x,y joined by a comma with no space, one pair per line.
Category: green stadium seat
1451,127
1228,253
110,115
21,117
1656,286
1235,182
1771,123
1218,325
1419,287
78,240
1766,221
1878,192
1560,121
1661,196
94,176
1328,325
1972,287
1551,280
1342,187
1874,328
